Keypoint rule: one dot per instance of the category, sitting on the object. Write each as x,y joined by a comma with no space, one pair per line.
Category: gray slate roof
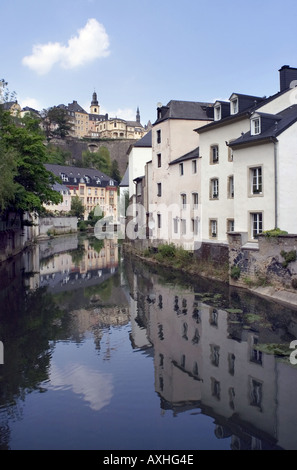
188,156
77,173
191,110
274,125
146,141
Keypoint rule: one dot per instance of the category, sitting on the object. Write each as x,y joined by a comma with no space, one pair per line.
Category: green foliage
114,171
167,250
288,256
82,226
57,155
93,219
275,232
56,123
77,207
99,160
27,185
235,272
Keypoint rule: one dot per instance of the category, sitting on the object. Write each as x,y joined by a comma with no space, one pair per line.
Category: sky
137,53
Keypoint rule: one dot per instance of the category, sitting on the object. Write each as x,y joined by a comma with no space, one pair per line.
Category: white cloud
94,387
90,43
31,103
127,114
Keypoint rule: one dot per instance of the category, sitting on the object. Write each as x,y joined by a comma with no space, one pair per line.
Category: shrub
167,250
275,232
288,257
235,272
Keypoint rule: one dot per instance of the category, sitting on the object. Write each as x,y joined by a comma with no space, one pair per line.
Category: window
231,187
256,180
214,154
159,136
214,188
184,201
255,126
183,224
217,113
256,224
175,225
181,169
195,200
194,166
234,106
195,226
159,189
213,227
230,225
159,220
159,160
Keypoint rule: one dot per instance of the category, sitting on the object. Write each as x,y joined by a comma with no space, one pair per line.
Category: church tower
94,108
138,116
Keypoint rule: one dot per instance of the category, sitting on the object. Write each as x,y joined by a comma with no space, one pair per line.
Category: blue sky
141,52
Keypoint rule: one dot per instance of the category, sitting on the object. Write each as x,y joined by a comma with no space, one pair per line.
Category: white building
175,180
248,170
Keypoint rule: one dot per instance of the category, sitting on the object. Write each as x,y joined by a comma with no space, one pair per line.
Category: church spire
138,115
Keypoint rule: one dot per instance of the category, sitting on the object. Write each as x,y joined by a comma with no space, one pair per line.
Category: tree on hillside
57,155
99,160
115,172
56,123
27,185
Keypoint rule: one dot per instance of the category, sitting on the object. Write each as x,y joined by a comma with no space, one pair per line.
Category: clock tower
94,108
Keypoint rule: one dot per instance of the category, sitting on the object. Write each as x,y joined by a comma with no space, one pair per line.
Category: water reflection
214,359
62,305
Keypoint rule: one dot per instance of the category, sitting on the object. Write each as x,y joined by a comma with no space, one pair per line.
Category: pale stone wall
263,263
57,225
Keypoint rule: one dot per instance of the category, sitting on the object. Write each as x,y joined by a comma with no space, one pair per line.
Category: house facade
175,172
95,189
247,164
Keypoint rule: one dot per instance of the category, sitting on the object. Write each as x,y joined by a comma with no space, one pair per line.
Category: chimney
287,75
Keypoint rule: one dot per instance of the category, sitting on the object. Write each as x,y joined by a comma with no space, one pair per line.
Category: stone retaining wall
270,260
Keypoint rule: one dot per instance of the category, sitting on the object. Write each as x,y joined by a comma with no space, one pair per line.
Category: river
100,351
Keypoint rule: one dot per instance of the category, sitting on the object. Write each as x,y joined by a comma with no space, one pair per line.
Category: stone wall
271,261
117,149
213,252
57,225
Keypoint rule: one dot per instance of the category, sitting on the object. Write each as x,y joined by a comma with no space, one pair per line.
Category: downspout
275,142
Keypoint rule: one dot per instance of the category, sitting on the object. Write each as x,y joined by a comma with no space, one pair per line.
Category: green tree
23,150
57,155
115,172
77,207
56,122
99,160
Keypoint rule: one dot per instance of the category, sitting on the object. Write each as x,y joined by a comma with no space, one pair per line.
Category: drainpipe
275,142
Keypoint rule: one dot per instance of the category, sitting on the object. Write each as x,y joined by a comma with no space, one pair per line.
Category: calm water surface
103,352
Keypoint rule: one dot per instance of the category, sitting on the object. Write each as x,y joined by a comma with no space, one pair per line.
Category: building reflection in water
207,359
91,261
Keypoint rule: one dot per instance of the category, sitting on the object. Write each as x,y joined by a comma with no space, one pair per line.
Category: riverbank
184,262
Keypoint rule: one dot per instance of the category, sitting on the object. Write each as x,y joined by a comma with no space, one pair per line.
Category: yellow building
94,188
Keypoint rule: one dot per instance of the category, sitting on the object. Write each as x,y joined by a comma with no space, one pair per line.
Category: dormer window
217,113
255,126
234,106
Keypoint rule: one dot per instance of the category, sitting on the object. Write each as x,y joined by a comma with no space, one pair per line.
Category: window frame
259,214
214,195
256,180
